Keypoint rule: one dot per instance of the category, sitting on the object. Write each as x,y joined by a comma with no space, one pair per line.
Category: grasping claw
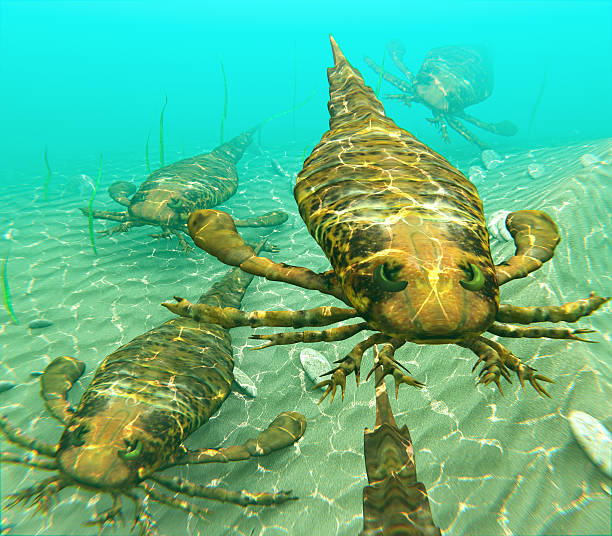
391,366
526,372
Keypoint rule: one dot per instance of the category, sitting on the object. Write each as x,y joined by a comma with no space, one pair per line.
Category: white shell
589,160
476,173
490,158
594,438
536,170
314,364
246,385
497,226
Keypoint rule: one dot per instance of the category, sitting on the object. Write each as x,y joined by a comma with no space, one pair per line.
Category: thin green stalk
380,75
294,84
224,101
147,153
161,131
48,178
6,293
280,114
539,99
90,211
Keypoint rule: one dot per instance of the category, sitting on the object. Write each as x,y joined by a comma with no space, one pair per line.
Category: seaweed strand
224,101
539,99
294,84
380,75
147,153
90,211
161,131
6,293
48,178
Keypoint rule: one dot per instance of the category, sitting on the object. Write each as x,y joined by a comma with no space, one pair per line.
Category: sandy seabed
493,465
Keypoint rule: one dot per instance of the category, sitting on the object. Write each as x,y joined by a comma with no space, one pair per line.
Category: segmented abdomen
366,176
175,376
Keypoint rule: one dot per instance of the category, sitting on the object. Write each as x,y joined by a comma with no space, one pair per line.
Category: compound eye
387,278
133,450
476,281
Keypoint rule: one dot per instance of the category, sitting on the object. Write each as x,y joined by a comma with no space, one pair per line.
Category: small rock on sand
40,323
594,438
246,384
314,364
6,386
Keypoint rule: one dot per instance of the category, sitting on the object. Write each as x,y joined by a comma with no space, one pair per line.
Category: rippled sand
493,465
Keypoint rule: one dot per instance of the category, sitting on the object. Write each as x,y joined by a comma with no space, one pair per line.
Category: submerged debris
314,364
536,171
244,383
40,323
6,386
497,226
476,173
490,158
594,438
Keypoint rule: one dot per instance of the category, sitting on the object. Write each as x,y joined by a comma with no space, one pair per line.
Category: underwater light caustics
406,237
132,421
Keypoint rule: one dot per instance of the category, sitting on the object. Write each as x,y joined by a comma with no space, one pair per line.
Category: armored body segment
371,193
452,78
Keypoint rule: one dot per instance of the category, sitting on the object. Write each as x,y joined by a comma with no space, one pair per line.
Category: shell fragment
314,364
594,438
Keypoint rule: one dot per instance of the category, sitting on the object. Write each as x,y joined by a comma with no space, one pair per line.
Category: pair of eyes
132,450
386,277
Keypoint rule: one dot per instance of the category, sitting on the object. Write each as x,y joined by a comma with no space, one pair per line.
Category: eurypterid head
411,246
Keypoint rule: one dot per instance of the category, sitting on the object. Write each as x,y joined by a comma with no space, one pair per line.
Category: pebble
245,384
476,174
536,171
6,386
490,158
314,364
594,438
497,226
40,323
589,160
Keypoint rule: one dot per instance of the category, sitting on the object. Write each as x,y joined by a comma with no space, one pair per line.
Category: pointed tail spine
349,97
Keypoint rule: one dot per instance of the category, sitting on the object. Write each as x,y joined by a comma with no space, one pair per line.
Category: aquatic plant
380,75
147,153
224,101
294,85
6,293
89,208
539,99
161,131
48,178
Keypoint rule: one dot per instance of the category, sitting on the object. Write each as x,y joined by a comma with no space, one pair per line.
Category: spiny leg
40,494
400,84
109,516
216,493
283,431
230,317
142,517
348,364
397,50
403,98
45,465
269,219
439,122
457,126
507,330
56,381
503,128
17,437
524,372
107,215
390,365
568,312
183,244
328,335
162,498
535,237
214,232
493,364
118,229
